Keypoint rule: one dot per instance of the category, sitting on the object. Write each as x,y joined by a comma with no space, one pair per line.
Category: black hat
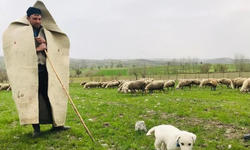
33,10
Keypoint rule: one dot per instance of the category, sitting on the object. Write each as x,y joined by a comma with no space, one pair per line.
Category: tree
111,64
205,67
220,68
240,62
78,72
90,75
143,71
119,65
134,71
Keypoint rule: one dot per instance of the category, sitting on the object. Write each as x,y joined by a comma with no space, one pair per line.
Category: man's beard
37,26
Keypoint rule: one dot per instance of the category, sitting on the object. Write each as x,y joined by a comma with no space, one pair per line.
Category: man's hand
40,40
41,47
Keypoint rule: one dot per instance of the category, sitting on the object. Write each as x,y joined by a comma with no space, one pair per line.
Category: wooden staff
69,98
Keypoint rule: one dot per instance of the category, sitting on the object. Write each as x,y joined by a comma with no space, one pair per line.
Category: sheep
169,83
112,84
238,82
104,84
155,85
213,83
196,82
92,85
226,82
124,87
9,89
137,85
184,82
4,87
246,85
204,82
83,83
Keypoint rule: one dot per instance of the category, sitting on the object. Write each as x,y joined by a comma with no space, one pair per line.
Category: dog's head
185,140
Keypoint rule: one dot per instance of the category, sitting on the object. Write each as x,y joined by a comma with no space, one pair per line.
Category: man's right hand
41,47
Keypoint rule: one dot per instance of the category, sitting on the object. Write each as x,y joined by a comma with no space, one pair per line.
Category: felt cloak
22,69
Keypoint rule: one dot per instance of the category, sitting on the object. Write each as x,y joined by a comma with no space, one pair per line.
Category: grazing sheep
204,82
227,82
140,125
137,85
238,82
104,84
124,87
155,85
83,83
4,87
92,85
169,83
213,84
112,84
196,82
246,86
9,89
184,82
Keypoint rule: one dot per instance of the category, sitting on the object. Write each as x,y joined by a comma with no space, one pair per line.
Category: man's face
35,20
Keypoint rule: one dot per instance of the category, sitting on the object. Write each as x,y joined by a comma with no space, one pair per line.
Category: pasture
218,118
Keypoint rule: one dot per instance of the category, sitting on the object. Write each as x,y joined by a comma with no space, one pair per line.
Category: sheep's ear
193,137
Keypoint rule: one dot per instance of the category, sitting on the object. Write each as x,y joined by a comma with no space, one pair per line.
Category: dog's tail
150,131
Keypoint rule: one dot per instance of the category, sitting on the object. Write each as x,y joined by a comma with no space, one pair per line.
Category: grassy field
218,118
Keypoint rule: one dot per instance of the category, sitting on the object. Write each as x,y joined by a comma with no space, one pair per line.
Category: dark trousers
45,113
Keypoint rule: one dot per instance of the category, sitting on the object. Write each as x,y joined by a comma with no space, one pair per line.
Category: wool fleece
22,69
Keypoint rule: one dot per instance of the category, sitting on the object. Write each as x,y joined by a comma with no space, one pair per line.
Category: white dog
170,138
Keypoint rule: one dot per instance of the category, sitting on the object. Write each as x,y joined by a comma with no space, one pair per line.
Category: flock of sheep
149,85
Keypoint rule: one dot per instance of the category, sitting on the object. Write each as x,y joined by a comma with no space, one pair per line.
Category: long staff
69,97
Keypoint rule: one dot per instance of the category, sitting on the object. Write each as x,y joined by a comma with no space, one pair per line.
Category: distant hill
82,63
219,61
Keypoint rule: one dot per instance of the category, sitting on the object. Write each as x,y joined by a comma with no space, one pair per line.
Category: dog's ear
193,137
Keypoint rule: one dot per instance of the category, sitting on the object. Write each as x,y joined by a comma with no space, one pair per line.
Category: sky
145,29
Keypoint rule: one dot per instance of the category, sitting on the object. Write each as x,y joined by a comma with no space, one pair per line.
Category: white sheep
246,85
4,87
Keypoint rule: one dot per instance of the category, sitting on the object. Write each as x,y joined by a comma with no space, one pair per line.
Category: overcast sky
132,29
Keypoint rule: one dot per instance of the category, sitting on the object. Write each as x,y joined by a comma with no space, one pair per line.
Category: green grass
117,72
218,118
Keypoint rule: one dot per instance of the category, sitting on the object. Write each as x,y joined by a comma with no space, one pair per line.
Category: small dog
168,137
140,125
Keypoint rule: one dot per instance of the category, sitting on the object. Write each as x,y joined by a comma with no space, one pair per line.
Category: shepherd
36,91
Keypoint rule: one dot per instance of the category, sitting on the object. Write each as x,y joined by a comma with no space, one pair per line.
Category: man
38,95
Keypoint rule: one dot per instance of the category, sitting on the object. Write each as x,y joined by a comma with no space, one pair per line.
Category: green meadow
218,118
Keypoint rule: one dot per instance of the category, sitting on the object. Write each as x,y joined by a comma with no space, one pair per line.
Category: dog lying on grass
168,137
